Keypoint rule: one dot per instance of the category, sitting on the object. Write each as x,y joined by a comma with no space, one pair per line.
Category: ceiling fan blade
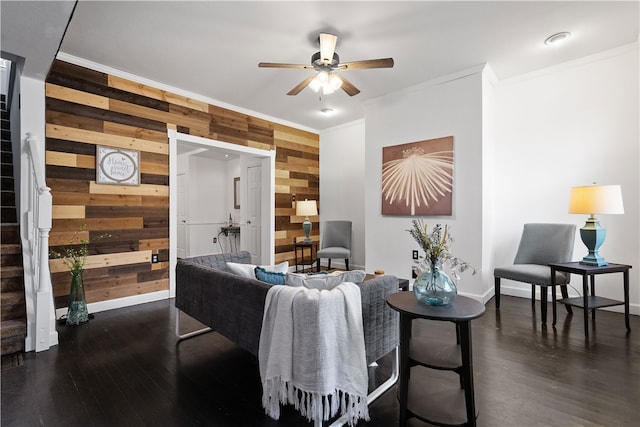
347,86
279,65
296,90
369,63
327,47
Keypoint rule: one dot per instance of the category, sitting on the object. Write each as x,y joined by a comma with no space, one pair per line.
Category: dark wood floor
124,368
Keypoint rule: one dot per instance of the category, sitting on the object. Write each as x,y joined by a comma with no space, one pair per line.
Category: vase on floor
434,287
77,312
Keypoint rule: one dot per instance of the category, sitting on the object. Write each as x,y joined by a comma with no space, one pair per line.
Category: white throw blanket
312,352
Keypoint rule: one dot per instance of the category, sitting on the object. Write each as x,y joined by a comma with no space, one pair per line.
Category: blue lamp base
592,236
306,227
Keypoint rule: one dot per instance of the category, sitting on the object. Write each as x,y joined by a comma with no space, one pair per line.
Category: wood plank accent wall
85,108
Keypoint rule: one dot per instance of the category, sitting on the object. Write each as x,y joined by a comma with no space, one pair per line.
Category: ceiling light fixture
327,111
557,38
326,81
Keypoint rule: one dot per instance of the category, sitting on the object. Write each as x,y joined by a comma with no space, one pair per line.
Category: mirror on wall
236,192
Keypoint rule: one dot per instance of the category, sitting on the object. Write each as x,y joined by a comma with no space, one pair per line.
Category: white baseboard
97,307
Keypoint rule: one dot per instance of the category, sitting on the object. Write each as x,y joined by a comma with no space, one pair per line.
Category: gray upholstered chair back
336,234
545,243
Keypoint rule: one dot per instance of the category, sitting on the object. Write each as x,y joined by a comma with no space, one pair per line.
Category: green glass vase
77,312
434,287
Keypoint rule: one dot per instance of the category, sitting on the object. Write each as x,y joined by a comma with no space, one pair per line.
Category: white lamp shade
306,208
596,199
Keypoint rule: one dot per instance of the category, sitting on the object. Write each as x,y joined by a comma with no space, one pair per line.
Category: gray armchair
335,242
540,245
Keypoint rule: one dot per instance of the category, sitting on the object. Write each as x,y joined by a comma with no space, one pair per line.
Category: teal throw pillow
270,277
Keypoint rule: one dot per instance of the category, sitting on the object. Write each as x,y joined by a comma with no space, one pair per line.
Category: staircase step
12,306
10,233
12,328
8,198
6,169
6,115
13,333
12,345
5,134
6,184
12,271
6,157
10,256
8,215
9,284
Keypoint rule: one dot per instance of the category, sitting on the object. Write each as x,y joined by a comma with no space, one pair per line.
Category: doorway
257,196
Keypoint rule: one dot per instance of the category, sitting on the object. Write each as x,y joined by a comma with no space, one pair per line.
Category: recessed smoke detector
327,111
557,38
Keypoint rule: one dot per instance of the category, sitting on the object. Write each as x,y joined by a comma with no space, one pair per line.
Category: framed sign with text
117,166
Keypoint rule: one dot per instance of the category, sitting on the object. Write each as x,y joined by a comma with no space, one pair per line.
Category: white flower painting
417,178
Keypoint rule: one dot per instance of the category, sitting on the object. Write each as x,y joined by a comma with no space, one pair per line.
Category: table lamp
306,208
595,199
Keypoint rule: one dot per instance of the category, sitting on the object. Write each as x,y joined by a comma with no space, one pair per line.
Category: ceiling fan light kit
325,63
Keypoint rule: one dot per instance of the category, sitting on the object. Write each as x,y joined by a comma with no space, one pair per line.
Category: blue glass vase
77,312
434,287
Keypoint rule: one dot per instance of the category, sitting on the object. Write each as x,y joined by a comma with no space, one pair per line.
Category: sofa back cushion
248,270
325,281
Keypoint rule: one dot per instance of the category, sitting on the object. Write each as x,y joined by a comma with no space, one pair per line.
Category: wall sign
117,166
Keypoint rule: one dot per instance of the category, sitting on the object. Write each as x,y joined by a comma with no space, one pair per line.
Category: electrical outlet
215,240
154,258
414,254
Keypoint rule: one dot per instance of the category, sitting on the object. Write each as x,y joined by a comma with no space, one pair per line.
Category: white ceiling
212,48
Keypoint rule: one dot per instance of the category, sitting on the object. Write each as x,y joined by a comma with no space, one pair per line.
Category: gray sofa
233,306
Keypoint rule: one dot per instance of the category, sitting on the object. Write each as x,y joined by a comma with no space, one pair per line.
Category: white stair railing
41,322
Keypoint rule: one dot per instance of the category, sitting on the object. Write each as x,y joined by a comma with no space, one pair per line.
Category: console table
592,302
302,245
435,401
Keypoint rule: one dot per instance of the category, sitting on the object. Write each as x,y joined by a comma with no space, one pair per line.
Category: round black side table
435,401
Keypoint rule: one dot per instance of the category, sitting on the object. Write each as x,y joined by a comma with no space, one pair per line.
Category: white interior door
181,237
254,219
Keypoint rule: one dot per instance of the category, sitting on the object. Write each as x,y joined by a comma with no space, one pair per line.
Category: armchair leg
497,292
329,264
533,295
317,265
346,263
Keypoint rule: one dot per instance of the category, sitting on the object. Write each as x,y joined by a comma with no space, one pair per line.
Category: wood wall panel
85,108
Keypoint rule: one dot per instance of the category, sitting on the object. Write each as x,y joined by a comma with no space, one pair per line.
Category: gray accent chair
335,242
540,245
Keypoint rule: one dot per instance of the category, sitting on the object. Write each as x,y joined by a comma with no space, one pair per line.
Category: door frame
268,160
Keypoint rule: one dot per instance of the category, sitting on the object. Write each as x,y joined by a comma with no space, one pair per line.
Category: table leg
405,337
565,294
626,299
553,304
592,281
543,304
585,301
467,371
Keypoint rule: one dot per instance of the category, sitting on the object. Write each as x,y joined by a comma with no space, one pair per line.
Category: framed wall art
417,178
117,166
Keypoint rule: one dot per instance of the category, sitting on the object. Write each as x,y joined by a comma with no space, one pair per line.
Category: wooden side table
591,301
313,246
431,401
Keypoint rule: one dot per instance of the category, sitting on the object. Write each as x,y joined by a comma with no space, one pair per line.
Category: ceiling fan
326,62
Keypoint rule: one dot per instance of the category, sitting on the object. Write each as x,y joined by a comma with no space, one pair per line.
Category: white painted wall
209,185
448,106
564,127
342,184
